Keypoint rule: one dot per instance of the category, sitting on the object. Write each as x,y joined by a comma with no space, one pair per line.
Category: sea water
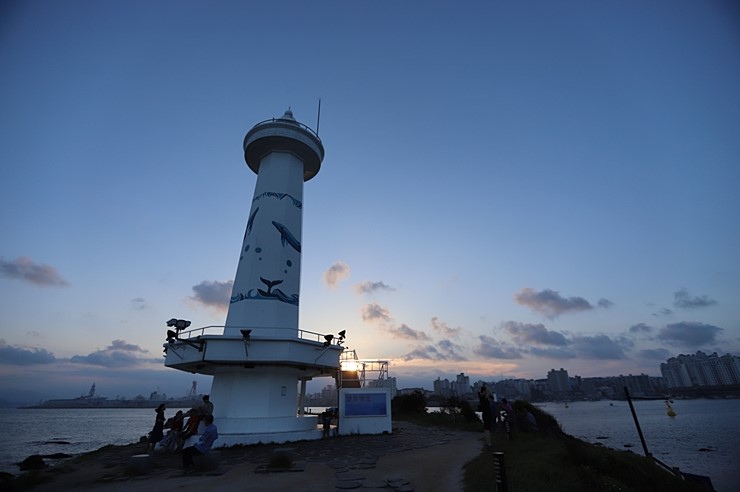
46,431
702,438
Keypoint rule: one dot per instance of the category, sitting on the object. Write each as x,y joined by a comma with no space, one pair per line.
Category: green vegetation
456,414
548,459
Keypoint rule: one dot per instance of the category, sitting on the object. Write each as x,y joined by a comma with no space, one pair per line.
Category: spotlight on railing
179,324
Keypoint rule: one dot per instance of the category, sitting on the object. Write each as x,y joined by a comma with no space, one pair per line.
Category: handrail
219,330
288,122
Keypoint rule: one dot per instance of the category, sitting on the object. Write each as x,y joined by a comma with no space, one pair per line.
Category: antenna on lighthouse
318,118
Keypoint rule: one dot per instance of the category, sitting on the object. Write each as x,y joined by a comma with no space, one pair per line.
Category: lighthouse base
277,437
259,405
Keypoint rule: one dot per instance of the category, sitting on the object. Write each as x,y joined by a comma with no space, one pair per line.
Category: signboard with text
365,404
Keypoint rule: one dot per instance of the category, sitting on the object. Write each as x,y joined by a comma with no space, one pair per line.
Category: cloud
335,274
654,354
663,312
128,347
445,350
550,303
604,303
117,355
444,330
598,347
625,342
213,294
16,356
407,333
490,348
553,353
25,269
451,350
429,352
524,334
689,334
138,304
371,287
375,312
641,328
683,300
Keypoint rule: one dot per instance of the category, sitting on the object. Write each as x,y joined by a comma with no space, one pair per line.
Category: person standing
495,414
507,413
206,408
157,432
484,405
210,434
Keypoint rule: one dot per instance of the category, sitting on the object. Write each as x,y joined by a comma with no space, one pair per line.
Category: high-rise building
462,384
700,369
558,381
442,388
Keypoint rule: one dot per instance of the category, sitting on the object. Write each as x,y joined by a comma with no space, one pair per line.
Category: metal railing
291,123
218,330
349,362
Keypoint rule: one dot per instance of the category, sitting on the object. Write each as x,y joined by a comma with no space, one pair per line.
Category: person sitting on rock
210,434
190,428
171,441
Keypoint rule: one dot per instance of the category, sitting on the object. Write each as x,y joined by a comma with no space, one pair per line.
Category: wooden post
500,471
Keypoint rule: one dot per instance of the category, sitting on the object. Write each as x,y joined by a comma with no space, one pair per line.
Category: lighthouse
260,357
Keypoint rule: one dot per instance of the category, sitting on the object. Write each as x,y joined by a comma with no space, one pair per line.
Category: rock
282,458
6,480
57,456
33,462
140,464
208,461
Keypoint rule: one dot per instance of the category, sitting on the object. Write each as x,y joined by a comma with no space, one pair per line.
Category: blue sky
508,187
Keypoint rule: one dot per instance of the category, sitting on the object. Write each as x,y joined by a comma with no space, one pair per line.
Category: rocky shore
413,457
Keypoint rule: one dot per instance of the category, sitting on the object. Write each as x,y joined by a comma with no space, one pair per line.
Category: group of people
180,430
492,412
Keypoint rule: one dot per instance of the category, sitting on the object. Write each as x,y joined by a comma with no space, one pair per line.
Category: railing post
637,423
499,469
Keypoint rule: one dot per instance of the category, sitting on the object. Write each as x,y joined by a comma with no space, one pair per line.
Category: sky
508,187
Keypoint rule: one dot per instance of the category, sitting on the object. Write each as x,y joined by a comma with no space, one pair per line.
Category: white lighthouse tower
259,357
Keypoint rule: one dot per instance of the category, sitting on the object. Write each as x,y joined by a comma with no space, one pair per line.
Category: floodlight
172,322
246,334
328,339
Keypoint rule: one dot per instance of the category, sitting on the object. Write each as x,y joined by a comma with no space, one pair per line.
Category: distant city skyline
558,376
507,188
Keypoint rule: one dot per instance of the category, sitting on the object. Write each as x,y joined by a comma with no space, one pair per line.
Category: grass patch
439,419
550,460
